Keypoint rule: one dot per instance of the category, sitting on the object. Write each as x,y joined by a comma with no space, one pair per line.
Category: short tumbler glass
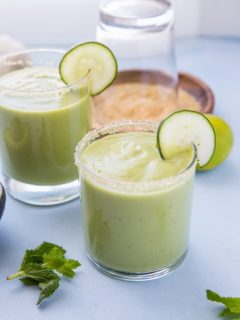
134,230
40,124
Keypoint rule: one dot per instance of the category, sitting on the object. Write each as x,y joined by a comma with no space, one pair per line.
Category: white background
67,21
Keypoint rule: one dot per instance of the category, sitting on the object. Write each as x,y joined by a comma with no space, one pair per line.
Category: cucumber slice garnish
182,129
93,56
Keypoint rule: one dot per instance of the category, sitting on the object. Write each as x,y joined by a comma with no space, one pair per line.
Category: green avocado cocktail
136,206
38,138
44,112
41,121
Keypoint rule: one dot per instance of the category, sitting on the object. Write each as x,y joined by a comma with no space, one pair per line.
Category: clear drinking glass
41,121
134,230
140,33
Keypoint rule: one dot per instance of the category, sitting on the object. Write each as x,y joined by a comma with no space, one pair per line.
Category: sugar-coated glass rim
59,91
128,126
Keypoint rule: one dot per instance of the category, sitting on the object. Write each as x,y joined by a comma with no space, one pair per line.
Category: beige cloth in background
9,45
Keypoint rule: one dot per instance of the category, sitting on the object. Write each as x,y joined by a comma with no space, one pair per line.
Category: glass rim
46,92
150,22
103,9
139,186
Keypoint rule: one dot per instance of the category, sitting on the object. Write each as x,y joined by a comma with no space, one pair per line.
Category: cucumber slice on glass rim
182,129
89,56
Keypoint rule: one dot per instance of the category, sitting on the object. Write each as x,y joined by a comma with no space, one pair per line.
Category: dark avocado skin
2,201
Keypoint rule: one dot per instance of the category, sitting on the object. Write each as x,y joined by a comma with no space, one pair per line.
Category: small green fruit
224,142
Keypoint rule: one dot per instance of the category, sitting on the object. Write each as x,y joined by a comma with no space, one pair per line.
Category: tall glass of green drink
41,121
136,207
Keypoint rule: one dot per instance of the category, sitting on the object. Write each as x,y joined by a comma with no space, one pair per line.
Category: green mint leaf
37,268
232,304
47,289
39,273
54,259
230,315
46,247
67,269
225,313
29,281
36,255
31,256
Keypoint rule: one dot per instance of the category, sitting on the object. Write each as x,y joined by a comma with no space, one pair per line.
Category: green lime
224,142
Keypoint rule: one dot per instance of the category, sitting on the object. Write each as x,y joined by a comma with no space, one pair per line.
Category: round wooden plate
194,94
199,90
187,82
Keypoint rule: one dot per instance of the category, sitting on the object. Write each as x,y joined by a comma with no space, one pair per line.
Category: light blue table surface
213,260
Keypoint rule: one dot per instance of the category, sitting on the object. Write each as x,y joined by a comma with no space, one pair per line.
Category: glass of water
140,33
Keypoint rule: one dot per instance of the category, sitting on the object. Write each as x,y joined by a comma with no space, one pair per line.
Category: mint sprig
232,305
41,267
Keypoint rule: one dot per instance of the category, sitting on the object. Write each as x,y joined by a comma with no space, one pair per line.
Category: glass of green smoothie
136,206
41,121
